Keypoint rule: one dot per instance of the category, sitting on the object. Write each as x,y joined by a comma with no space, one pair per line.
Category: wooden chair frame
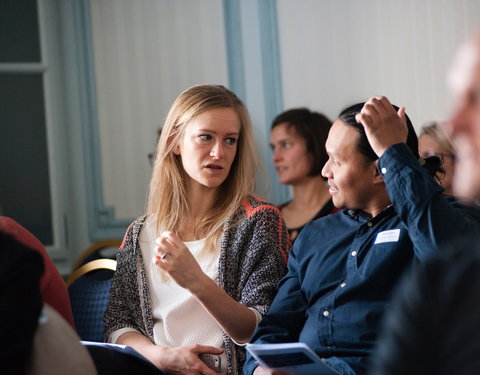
97,246
93,265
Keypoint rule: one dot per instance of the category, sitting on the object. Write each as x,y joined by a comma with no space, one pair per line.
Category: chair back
106,248
89,290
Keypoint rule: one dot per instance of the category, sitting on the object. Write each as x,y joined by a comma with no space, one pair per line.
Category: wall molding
233,39
102,222
272,81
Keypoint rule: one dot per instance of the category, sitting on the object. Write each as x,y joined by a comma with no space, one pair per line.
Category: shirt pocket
383,263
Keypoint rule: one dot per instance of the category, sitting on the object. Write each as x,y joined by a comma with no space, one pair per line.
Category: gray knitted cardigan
253,257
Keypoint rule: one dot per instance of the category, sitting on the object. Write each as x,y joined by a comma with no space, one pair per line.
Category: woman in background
198,271
297,139
434,141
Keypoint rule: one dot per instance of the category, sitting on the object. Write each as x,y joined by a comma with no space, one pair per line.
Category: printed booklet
296,358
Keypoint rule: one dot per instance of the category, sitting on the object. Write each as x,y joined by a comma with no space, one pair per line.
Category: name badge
388,236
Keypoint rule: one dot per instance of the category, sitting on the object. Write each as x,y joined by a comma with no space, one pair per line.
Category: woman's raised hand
173,257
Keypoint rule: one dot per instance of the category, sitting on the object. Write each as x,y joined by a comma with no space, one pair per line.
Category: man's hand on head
384,126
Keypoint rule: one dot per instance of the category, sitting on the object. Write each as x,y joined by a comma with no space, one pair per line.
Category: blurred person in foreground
36,339
52,286
433,324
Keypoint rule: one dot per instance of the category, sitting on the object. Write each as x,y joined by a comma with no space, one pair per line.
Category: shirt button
326,313
384,170
369,224
354,253
342,285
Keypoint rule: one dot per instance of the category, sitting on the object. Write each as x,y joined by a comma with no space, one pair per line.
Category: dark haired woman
297,139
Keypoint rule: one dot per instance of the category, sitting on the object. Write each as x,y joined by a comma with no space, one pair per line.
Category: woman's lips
214,168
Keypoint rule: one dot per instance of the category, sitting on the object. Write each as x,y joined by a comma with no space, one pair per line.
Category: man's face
350,176
464,126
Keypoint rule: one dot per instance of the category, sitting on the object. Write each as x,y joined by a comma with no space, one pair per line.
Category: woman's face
292,161
208,146
428,146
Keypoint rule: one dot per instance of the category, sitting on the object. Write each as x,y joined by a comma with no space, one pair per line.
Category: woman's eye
231,141
205,137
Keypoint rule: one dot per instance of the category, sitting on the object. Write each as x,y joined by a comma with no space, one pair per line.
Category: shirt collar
360,215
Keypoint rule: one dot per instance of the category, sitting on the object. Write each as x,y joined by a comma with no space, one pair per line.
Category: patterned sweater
253,258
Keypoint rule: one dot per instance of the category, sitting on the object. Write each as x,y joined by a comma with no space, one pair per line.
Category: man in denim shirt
343,267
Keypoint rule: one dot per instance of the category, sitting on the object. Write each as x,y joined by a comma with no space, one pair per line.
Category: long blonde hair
167,200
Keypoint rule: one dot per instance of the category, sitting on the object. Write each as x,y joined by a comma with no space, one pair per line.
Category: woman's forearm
142,345
238,321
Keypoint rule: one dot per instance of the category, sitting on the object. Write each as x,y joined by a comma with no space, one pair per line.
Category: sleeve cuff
258,316
119,332
395,158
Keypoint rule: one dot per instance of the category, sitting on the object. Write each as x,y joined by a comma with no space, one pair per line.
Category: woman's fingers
167,244
199,349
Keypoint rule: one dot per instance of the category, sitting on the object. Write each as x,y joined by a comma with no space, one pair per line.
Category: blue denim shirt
343,267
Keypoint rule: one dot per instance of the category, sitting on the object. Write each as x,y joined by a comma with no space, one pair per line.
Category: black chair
89,289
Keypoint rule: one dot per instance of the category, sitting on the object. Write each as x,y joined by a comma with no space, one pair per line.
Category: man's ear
377,177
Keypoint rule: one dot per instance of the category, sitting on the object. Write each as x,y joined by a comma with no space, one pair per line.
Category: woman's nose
217,151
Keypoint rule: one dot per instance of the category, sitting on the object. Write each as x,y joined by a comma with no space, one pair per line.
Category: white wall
336,53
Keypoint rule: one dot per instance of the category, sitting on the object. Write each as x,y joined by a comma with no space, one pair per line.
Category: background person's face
428,146
290,156
464,124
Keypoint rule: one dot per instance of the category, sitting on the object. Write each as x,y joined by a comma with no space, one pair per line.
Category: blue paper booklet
119,359
296,358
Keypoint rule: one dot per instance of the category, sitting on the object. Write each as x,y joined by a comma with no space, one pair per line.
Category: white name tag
388,236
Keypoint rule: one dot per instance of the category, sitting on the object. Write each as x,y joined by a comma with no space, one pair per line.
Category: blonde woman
434,141
198,271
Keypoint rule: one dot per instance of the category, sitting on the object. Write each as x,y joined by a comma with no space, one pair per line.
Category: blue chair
89,290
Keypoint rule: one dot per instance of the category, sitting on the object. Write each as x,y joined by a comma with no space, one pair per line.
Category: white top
179,319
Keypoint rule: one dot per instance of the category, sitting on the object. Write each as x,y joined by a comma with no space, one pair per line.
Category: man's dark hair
347,116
